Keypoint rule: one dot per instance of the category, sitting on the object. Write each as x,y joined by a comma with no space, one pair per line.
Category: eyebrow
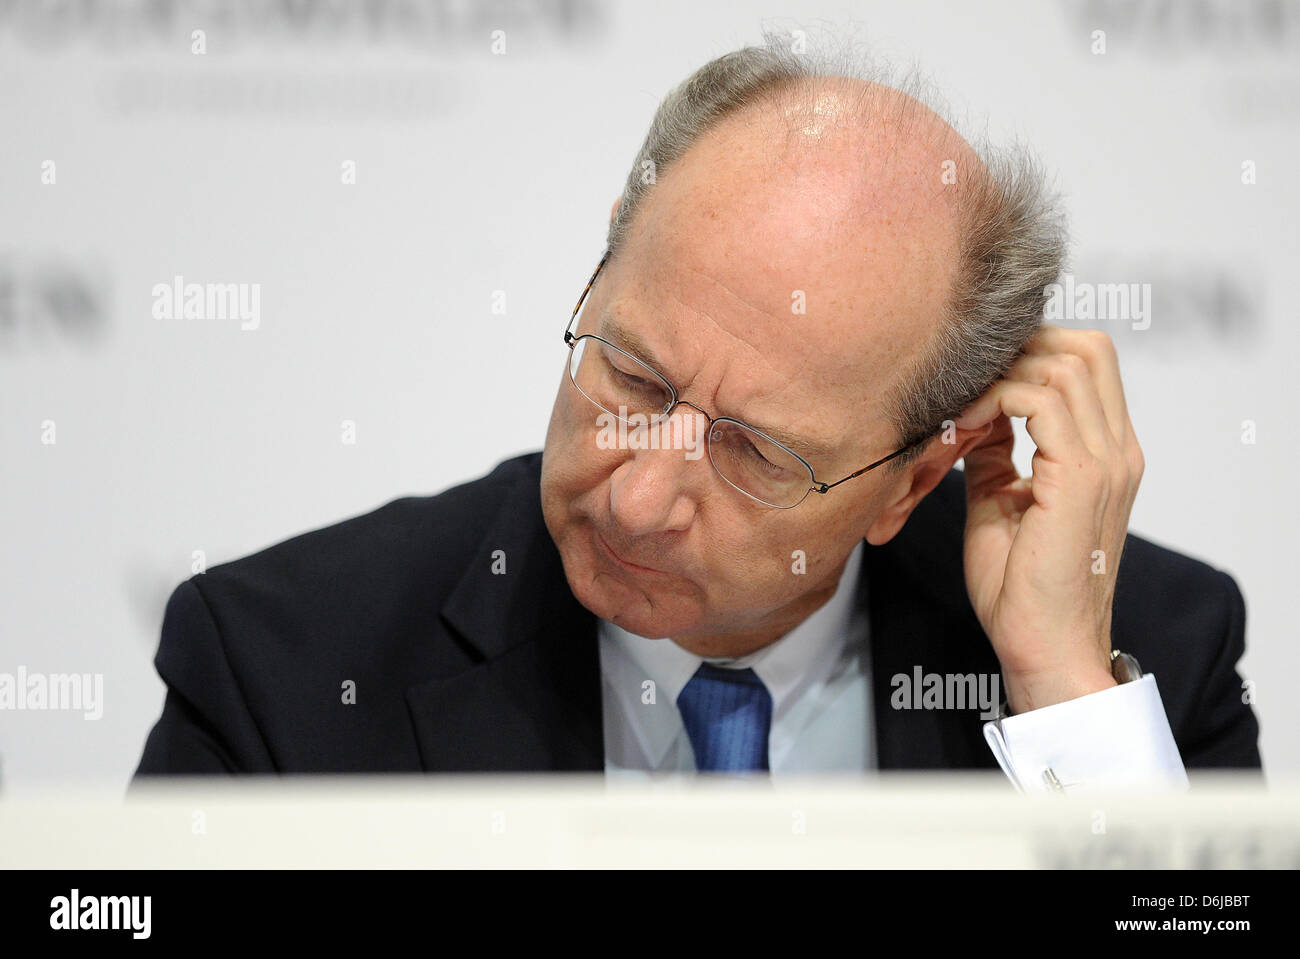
631,341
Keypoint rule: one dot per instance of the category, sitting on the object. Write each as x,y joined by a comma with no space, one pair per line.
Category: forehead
804,281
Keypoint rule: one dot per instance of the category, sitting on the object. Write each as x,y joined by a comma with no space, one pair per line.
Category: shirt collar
788,667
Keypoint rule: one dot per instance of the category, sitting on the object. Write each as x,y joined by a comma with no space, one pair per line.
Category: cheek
558,460
573,427
795,557
559,431
579,437
573,468
756,561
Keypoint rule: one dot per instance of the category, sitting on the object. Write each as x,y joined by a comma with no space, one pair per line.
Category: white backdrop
479,172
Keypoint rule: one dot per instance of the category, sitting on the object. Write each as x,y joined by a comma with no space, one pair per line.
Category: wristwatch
1123,666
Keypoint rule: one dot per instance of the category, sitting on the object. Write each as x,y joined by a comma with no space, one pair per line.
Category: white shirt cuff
1117,738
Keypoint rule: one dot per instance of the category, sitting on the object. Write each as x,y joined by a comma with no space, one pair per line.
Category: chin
655,613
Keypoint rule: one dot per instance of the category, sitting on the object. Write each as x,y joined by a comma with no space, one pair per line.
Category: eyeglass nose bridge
678,401
708,434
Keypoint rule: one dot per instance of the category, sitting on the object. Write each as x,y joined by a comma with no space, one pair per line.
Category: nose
655,490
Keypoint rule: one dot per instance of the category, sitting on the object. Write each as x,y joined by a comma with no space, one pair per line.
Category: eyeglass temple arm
568,330
826,487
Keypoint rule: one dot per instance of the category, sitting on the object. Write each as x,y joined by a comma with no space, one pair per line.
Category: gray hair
1013,237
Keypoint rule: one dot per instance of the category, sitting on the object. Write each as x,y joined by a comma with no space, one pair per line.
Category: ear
921,476
614,208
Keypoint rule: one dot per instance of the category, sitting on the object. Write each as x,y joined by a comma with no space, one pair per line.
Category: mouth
620,562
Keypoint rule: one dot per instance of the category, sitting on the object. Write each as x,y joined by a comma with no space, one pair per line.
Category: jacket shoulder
412,540
261,654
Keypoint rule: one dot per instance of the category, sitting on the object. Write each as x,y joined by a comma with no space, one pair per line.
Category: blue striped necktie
727,714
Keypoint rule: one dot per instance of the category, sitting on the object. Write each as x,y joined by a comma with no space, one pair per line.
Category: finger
988,465
1098,351
1069,374
1047,418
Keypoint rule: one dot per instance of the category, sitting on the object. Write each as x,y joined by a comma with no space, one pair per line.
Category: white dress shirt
819,676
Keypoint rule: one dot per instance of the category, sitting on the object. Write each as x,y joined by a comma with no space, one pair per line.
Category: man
745,546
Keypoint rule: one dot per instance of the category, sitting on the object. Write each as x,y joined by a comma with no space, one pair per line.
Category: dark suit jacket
457,669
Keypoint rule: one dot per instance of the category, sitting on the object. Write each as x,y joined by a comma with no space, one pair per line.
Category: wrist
1025,693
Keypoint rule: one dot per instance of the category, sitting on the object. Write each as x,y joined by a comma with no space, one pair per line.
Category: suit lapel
532,700
921,617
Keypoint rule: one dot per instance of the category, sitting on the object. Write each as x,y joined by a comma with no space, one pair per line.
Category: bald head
821,211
